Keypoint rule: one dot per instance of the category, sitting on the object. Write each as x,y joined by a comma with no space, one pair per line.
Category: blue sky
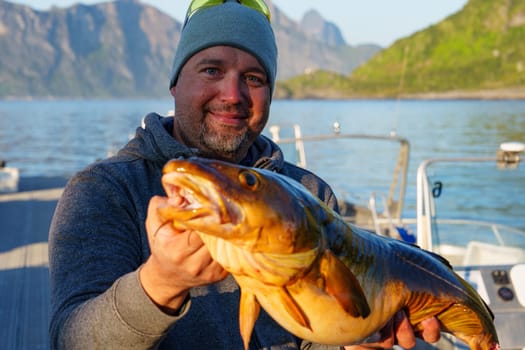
371,21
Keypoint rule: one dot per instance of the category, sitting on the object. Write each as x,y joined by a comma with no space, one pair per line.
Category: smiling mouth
229,114
229,120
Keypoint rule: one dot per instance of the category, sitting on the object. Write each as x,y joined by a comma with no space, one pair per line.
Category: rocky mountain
119,48
125,48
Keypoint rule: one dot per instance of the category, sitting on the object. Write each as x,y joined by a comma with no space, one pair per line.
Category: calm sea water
49,138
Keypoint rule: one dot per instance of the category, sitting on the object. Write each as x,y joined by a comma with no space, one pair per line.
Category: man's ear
172,90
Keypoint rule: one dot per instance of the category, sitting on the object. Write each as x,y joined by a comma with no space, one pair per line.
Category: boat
9,178
487,253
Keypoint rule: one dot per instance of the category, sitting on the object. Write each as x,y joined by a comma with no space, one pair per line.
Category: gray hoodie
98,241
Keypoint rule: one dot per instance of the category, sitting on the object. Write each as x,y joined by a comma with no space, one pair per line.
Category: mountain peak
316,26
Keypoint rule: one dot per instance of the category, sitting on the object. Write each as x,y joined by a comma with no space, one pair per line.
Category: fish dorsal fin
340,283
248,313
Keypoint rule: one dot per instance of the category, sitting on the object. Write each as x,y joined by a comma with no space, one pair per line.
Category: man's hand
399,331
179,260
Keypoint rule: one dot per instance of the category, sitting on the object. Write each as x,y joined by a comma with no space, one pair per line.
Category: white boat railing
508,156
396,195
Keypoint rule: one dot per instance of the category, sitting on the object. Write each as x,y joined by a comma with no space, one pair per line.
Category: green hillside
321,84
482,47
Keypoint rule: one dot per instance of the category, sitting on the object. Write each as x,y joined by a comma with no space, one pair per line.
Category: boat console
503,289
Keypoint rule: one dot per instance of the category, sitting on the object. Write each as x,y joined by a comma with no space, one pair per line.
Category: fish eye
249,179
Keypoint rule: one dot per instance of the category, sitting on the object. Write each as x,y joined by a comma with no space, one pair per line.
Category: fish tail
473,326
482,343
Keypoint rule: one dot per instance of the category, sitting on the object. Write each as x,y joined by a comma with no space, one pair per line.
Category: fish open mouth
195,203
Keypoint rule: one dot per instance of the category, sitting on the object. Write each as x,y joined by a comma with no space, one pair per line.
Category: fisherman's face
222,102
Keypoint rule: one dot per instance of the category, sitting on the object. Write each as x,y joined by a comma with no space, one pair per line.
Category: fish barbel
319,277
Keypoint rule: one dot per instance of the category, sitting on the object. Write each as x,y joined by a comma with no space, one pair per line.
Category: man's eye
211,71
254,80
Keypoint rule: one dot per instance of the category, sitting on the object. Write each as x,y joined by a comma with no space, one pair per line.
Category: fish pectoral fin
293,309
340,283
248,313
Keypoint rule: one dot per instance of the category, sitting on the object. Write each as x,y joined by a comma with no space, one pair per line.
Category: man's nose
232,87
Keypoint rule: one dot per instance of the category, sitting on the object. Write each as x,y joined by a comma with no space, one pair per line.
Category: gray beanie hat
229,24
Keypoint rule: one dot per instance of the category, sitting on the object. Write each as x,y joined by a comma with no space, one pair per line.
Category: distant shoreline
500,94
517,93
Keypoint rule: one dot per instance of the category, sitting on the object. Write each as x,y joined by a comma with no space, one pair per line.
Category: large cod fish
320,278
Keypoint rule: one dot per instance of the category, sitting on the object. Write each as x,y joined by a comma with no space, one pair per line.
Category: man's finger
403,329
431,330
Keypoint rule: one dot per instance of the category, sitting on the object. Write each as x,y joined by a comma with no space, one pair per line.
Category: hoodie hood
153,141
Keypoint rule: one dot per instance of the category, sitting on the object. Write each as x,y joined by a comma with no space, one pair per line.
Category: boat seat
481,253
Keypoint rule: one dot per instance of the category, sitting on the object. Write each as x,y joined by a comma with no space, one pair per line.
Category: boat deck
25,217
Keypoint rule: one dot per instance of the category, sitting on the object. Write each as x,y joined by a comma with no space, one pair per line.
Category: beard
226,144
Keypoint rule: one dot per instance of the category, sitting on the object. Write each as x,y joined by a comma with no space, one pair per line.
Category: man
120,277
